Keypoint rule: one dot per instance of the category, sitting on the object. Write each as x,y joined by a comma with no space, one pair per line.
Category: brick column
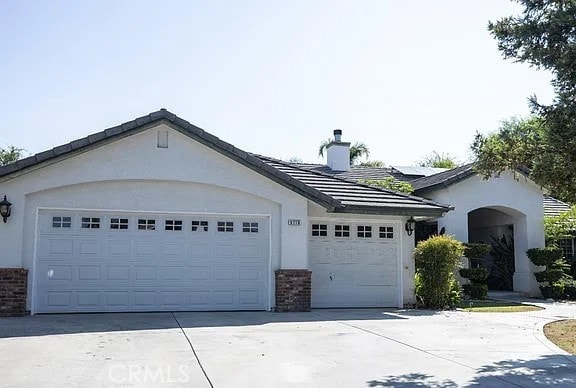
13,291
293,290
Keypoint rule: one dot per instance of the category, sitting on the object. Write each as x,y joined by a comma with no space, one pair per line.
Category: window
319,230
61,222
119,223
144,224
567,246
341,230
386,232
225,226
173,225
364,231
90,223
199,226
250,227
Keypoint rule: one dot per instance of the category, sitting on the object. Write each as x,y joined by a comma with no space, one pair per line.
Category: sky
275,78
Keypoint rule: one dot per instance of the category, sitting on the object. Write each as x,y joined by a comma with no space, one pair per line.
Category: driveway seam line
422,350
193,351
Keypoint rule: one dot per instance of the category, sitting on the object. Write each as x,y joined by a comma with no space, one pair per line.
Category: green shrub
478,287
476,275
570,290
455,293
475,290
436,260
544,256
553,275
555,291
476,250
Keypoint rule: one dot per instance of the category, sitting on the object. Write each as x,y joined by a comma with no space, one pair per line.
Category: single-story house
157,214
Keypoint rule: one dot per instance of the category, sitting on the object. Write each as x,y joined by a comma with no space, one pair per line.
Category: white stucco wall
133,174
521,199
406,243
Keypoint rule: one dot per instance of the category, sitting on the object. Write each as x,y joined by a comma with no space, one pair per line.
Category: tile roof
334,193
442,179
554,207
356,173
355,197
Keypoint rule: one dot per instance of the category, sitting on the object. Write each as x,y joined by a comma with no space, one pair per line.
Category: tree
357,150
542,36
389,183
373,163
516,146
10,154
294,159
439,160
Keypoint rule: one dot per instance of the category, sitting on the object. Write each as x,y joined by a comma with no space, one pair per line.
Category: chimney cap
337,132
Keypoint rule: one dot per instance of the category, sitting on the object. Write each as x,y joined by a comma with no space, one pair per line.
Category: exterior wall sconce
5,209
410,226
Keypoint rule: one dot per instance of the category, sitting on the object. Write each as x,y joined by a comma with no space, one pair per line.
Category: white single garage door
354,264
114,261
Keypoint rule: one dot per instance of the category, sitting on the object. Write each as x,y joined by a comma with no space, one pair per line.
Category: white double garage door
90,261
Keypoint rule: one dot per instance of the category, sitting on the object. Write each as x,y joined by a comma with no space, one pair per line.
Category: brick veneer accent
13,291
293,290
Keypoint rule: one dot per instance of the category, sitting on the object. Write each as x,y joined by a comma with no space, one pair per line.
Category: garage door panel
115,299
88,299
119,248
147,248
117,273
174,249
175,273
90,248
144,299
199,273
150,270
201,251
89,272
142,272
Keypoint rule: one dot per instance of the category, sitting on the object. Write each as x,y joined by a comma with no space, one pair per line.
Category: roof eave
393,211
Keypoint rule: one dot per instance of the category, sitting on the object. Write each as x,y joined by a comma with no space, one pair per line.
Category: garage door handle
331,277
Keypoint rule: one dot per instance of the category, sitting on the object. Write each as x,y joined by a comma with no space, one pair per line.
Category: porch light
5,209
410,226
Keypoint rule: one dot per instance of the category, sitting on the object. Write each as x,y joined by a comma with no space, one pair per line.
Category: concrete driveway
325,348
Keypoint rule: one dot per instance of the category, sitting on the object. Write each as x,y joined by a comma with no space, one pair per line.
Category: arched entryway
505,230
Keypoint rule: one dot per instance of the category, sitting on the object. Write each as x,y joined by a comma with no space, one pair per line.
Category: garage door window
61,222
319,230
144,224
199,226
341,230
173,225
250,227
225,226
386,232
364,231
90,223
119,223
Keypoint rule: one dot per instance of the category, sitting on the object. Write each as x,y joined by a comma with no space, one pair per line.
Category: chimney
338,153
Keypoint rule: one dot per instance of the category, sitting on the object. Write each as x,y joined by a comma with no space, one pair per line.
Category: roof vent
337,135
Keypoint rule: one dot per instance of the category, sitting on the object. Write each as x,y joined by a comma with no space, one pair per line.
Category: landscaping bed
495,306
563,334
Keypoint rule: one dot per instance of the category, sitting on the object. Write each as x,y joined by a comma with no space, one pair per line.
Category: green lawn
495,306
563,334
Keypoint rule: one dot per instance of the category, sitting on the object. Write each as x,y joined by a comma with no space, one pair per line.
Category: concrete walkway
325,348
